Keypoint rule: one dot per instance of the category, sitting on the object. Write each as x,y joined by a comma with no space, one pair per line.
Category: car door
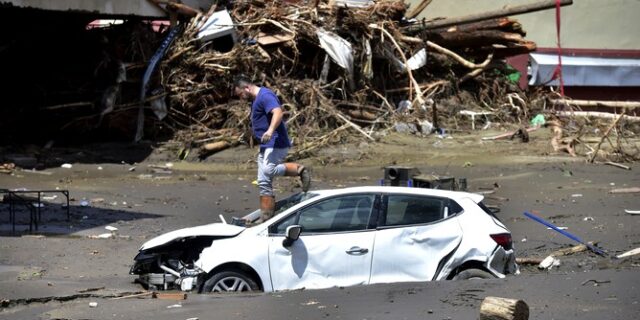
334,248
415,234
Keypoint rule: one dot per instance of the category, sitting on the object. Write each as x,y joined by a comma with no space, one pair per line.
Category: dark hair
241,81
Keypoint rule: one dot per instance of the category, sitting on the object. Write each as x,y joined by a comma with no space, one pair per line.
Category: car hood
214,229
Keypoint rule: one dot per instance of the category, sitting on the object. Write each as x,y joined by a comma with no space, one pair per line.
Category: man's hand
275,122
266,137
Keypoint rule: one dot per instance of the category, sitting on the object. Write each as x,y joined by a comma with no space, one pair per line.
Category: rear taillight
503,240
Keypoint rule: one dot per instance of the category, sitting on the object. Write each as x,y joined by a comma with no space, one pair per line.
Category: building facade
600,43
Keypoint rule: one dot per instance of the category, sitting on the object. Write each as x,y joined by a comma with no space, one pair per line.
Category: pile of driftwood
341,72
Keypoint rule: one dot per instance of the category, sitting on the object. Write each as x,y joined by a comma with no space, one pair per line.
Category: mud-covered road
57,272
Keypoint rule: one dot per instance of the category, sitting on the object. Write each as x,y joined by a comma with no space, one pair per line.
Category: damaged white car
342,237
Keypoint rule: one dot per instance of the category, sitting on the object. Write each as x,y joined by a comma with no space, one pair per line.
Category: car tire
229,281
473,274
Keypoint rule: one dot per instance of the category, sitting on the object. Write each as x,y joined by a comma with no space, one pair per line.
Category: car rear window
409,209
487,210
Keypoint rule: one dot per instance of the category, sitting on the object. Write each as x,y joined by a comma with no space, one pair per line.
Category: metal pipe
167,269
564,233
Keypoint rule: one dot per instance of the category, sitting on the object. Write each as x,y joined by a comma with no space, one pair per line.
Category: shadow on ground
30,156
53,218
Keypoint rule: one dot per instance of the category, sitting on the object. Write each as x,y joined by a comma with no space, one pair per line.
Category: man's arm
276,118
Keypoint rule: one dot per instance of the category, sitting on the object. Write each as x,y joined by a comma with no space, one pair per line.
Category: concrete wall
587,24
103,7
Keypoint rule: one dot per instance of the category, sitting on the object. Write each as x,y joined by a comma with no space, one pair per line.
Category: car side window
410,209
345,213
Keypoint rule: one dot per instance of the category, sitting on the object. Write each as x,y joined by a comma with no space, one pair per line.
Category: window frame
371,224
383,211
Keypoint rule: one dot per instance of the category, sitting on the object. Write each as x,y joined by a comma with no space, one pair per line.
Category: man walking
270,130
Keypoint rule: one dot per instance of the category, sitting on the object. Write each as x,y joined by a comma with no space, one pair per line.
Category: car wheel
230,281
473,274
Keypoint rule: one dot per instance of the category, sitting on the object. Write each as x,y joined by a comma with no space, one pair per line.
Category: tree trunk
495,308
526,8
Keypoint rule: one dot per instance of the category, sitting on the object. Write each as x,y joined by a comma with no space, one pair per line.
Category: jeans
270,164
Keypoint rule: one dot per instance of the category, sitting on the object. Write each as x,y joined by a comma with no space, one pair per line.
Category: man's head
244,88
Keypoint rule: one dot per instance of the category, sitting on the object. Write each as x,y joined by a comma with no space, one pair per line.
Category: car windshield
281,205
291,201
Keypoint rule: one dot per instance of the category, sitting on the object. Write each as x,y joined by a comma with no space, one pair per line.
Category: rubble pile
344,70
340,72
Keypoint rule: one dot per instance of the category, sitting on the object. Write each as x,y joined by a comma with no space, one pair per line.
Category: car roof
405,190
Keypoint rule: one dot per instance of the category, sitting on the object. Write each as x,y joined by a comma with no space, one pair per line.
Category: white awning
585,71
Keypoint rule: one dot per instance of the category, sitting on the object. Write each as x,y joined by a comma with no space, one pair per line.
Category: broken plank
136,295
267,39
170,295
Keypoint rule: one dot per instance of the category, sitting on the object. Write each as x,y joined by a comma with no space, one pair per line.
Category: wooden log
597,103
594,114
510,50
526,8
476,38
496,308
361,115
528,260
503,24
570,250
415,11
216,146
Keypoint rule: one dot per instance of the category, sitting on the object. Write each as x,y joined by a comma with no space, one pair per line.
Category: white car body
375,251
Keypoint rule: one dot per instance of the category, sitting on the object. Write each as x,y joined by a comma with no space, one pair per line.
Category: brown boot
267,207
295,169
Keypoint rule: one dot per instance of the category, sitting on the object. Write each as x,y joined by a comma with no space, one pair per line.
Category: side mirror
291,235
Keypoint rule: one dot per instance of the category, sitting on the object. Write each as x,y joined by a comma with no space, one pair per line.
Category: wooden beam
594,114
597,103
526,8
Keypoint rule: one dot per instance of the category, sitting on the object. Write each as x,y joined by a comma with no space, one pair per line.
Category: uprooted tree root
586,138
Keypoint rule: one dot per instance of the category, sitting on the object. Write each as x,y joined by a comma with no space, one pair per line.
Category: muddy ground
56,272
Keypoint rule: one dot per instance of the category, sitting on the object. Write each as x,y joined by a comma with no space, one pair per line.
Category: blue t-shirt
261,115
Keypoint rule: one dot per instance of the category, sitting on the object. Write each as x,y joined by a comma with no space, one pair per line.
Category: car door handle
357,251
